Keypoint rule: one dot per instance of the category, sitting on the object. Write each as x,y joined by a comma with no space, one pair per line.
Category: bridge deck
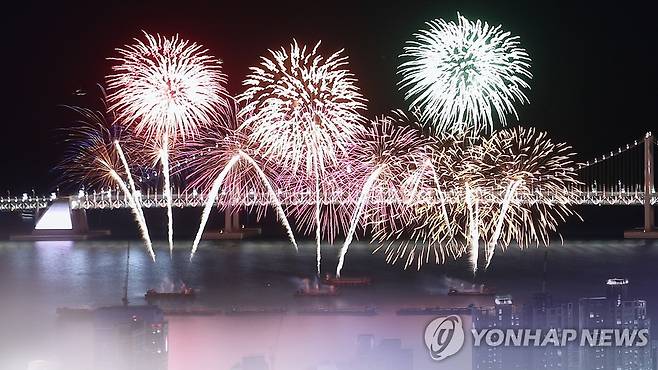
113,200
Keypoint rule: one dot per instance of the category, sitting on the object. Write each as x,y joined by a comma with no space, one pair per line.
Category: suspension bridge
622,177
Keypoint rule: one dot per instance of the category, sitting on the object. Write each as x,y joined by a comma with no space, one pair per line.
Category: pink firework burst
227,167
387,155
206,155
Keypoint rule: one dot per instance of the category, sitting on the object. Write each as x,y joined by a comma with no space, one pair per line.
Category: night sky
594,65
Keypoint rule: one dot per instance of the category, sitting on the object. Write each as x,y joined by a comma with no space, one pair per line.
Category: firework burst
225,165
533,175
456,75
166,88
512,187
434,219
95,158
303,109
386,155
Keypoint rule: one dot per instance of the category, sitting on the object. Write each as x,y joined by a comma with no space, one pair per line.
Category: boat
348,311
185,293
317,291
483,291
346,281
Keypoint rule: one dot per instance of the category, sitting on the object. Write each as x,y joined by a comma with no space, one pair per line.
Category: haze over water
38,277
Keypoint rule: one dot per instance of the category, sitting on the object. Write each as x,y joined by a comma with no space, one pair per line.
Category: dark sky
594,65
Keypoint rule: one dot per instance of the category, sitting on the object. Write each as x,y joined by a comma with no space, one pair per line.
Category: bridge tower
649,231
233,228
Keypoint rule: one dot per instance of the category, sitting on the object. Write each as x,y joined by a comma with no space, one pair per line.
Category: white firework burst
302,110
302,107
459,76
166,86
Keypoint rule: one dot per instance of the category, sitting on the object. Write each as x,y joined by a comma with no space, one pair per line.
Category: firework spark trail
126,168
365,191
212,196
275,200
391,155
442,200
318,230
95,158
509,196
164,160
335,214
134,208
141,220
473,228
457,74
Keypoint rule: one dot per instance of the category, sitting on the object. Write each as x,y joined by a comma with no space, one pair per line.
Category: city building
542,313
130,338
614,311
388,355
503,315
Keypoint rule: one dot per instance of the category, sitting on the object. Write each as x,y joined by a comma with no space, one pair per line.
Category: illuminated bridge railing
24,203
186,200
114,200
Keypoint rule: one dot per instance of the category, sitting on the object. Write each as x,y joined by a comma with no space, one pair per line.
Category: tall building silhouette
542,313
130,338
614,311
503,315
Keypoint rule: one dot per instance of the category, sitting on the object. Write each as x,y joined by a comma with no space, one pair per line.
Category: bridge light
81,193
24,196
53,196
